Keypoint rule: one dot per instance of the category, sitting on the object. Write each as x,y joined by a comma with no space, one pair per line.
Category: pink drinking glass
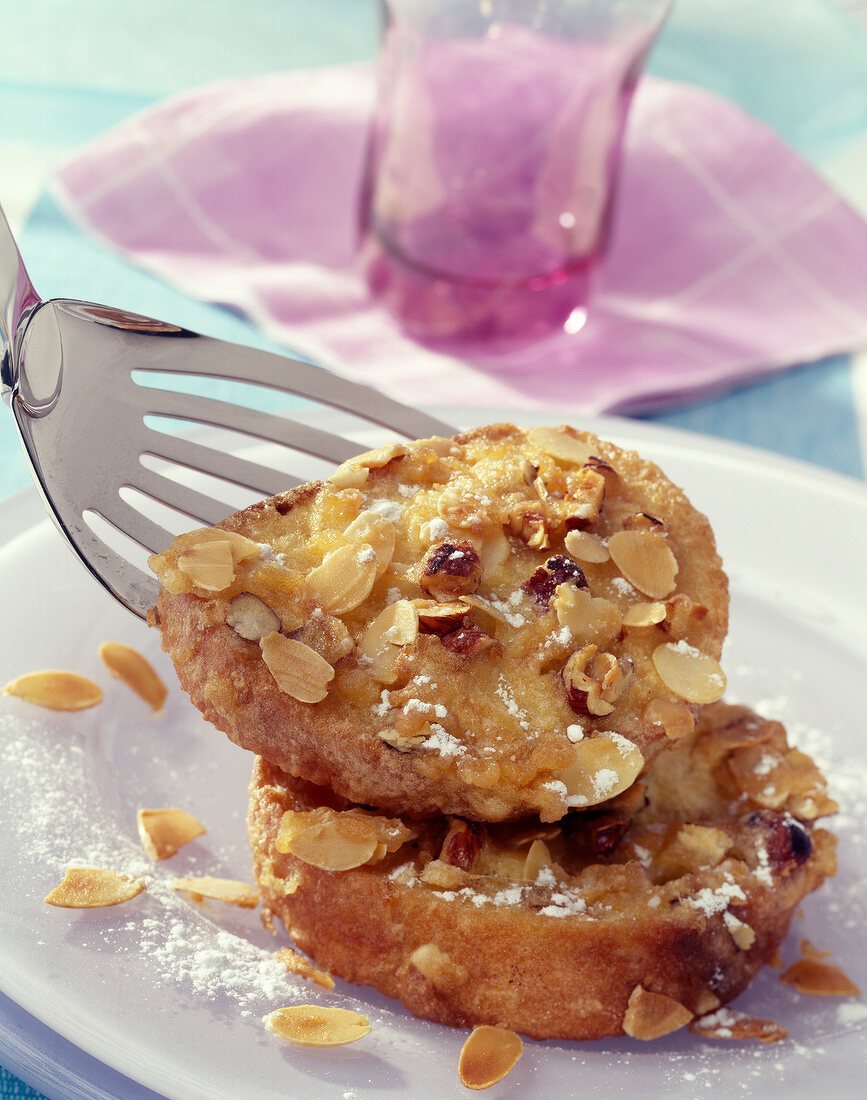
493,159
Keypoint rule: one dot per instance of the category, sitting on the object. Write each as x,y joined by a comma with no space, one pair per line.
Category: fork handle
17,301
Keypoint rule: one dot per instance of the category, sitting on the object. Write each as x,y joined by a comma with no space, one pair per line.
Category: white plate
172,996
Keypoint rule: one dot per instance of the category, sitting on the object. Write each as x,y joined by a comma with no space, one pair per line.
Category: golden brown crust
471,715
690,909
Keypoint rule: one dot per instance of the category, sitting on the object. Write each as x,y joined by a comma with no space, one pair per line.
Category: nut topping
603,766
440,618
469,641
675,718
462,843
652,1015
588,618
585,546
376,531
595,681
297,964
557,570
251,618
129,665
298,670
560,444
438,967
488,1055
819,979
344,579
339,841
646,560
394,627
349,475
639,615
314,1026
450,570
55,689
692,675
209,565
93,888
228,890
163,832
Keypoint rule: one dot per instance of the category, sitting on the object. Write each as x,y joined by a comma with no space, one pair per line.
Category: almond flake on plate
127,664
55,689
488,1055
219,889
162,832
313,1026
94,888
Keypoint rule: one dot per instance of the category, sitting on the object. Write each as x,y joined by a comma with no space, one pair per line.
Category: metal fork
67,374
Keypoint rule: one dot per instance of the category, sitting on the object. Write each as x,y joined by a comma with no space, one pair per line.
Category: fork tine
229,467
260,425
207,356
125,518
206,510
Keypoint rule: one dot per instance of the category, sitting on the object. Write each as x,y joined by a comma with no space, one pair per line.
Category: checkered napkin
730,258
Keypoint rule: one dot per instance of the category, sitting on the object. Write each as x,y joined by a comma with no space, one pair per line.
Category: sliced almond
538,857
394,627
588,618
488,1055
313,1026
585,546
689,673
380,456
297,669
242,547
438,967
819,979
163,832
652,1015
404,742
646,560
344,579
728,1023
93,888
55,689
129,665
675,718
219,889
252,618
602,767
741,933
339,841
639,615
209,565
297,964
560,444
349,475
376,531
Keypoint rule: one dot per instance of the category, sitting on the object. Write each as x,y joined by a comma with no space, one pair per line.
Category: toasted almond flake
55,689
741,933
380,456
339,840
394,627
297,964
404,742
209,565
494,550
585,546
439,968
538,856
602,767
129,665
694,676
652,1015
588,618
644,614
488,1055
377,532
675,718
810,951
349,475
560,444
819,979
344,579
314,1026
219,889
731,1024
646,560
163,831
297,669
93,888
242,547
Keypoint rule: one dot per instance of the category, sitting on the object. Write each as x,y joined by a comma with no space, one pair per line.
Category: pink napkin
729,259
